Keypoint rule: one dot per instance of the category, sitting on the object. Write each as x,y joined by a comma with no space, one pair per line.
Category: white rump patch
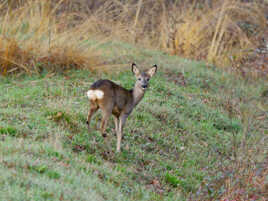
95,94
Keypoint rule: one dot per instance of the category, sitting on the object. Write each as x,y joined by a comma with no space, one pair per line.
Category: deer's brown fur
113,99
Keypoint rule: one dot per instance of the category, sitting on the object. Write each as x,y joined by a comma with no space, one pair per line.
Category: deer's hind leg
106,113
116,124
93,109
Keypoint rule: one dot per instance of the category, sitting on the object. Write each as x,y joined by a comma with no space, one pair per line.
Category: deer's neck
137,94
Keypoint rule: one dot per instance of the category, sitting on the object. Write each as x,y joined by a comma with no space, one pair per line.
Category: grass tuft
11,131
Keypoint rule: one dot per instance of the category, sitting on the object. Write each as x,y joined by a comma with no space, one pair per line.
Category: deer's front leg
122,121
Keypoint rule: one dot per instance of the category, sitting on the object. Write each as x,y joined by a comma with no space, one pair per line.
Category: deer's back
112,94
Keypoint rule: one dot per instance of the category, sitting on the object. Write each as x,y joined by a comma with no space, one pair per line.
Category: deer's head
143,78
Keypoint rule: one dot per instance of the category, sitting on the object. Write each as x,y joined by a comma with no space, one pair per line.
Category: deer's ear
152,70
135,70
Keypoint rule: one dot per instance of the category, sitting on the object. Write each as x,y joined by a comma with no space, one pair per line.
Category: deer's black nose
144,86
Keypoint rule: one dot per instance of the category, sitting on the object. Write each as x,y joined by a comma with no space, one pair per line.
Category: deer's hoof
117,150
87,123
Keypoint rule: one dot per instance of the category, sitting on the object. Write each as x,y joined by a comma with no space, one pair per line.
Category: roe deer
114,99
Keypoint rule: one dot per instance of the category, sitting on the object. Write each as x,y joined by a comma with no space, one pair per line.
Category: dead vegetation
51,33
31,39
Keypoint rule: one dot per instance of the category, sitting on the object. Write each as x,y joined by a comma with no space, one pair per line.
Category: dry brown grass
32,38
224,33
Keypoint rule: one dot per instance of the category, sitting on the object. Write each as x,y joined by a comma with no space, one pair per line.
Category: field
199,134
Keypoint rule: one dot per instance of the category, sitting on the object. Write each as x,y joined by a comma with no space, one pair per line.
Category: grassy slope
182,140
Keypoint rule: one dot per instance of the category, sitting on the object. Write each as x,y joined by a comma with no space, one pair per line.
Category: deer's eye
139,79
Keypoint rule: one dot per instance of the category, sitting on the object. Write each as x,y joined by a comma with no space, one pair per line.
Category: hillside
199,134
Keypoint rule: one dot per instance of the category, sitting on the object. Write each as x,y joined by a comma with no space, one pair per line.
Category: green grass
182,140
